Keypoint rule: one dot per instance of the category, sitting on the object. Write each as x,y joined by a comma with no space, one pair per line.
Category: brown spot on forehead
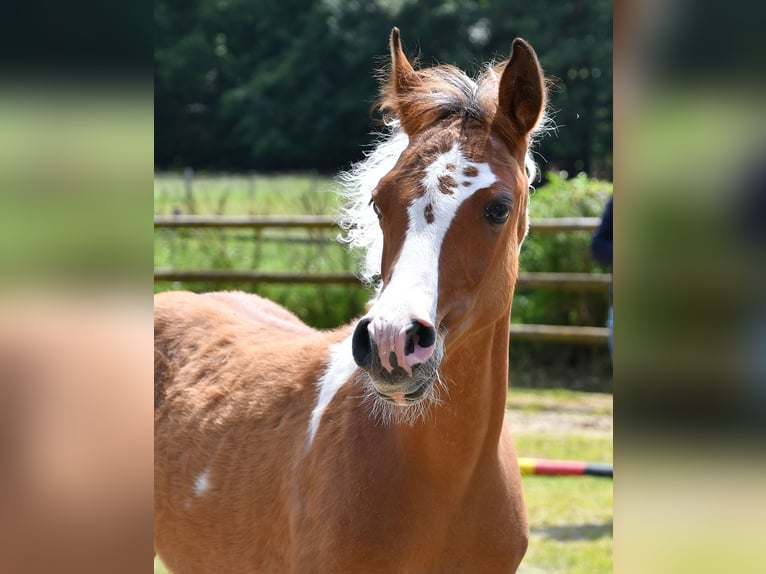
425,148
433,143
429,213
447,184
406,179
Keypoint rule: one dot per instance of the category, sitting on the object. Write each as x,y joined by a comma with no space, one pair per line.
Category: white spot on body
340,367
202,482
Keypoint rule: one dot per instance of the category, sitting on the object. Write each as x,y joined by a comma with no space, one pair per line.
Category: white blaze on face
413,289
414,285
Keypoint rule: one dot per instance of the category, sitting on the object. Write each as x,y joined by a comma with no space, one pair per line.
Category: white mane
358,219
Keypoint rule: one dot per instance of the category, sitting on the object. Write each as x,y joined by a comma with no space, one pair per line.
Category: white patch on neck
340,367
415,279
202,482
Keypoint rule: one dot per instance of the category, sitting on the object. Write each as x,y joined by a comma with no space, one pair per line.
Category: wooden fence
546,333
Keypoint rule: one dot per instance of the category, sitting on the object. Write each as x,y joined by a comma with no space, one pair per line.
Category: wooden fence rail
248,221
547,225
544,333
560,334
252,276
575,281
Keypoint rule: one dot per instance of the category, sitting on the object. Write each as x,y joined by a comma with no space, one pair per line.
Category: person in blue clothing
601,248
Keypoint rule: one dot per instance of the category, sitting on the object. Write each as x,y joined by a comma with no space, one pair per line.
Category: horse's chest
420,528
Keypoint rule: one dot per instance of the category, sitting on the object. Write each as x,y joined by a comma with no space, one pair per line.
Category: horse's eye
375,209
497,211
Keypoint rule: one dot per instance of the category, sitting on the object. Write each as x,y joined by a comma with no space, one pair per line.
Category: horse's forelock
444,92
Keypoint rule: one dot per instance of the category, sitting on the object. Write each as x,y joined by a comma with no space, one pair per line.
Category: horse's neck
467,425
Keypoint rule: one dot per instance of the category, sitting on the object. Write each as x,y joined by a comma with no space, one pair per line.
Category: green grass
559,400
239,194
570,518
265,250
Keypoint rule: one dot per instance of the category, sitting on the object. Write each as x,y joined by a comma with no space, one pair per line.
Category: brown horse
380,446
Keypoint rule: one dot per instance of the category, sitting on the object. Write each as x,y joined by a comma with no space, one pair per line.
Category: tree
289,84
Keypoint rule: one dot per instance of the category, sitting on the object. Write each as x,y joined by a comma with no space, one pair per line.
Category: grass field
241,194
266,250
570,518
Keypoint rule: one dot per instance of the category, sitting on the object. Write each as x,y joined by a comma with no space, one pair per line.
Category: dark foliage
289,84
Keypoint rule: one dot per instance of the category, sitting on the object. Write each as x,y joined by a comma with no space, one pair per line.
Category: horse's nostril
361,345
421,335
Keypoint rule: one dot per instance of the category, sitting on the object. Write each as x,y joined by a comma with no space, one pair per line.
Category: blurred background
259,104
288,85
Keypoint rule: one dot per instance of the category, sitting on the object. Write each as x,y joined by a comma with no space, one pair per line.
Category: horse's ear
521,97
400,94
403,77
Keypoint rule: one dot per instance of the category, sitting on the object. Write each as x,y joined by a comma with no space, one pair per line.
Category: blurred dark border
79,41
690,375
76,168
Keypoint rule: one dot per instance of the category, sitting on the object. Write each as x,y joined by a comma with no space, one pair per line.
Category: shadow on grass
574,532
